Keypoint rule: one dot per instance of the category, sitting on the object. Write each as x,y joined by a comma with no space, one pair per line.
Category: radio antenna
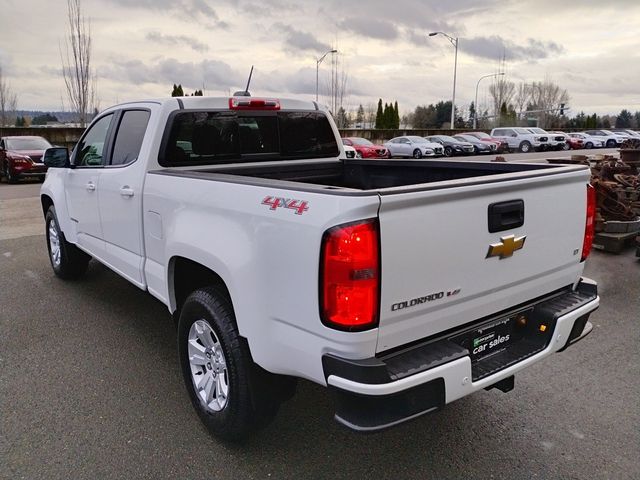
245,93
249,81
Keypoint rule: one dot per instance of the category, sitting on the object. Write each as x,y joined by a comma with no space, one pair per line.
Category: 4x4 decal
298,206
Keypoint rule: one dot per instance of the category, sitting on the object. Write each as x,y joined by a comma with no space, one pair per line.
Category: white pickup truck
400,285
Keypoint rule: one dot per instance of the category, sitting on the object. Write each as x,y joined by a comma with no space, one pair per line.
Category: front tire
448,151
566,146
11,178
611,143
589,145
417,153
223,382
525,147
67,260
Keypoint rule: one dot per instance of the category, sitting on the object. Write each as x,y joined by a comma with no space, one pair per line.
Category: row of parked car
500,140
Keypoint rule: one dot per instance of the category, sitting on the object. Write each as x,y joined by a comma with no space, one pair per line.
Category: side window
90,149
129,137
498,133
511,133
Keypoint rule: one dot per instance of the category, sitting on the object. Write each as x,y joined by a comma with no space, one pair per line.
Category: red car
365,149
486,138
21,157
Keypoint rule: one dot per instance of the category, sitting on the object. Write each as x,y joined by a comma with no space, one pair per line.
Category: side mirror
56,157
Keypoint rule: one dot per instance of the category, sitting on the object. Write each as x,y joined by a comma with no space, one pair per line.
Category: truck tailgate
436,270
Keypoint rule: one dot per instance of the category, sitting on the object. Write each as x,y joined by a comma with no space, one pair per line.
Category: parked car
631,133
21,157
500,145
451,145
349,151
588,141
413,146
610,139
478,145
555,141
521,139
399,286
567,145
365,148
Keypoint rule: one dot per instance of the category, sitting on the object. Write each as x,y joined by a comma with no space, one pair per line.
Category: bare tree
547,96
8,100
522,97
369,115
336,91
79,78
501,92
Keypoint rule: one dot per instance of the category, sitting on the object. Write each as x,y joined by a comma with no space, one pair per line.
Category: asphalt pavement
90,388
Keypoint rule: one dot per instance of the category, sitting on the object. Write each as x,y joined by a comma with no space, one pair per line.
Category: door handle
126,191
90,186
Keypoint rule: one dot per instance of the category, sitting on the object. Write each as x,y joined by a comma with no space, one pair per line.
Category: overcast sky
142,47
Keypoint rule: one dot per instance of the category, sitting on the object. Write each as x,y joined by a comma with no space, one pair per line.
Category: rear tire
248,403
611,143
67,260
417,153
525,147
566,146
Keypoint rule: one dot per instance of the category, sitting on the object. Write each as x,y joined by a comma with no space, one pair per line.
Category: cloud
177,40
370,27
215,75
494,47
299,40
193,9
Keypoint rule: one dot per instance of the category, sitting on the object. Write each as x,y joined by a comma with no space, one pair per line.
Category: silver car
413,146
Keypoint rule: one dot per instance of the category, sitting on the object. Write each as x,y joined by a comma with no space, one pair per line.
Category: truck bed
365,176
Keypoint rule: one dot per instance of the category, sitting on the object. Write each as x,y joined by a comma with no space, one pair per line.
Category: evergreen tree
360,115
379,114
624,119
396,118
385,116
179,91
472,113
174,92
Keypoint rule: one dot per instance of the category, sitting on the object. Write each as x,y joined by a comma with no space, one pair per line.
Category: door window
129,138
89,152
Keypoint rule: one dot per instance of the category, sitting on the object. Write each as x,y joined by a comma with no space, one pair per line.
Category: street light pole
454,42
318,62
475,105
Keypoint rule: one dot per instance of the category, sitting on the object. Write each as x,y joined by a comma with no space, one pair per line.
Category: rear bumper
377,393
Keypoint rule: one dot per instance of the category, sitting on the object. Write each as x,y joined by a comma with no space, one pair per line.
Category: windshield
466,138
37,143
361,141
481,135
446,138
416,139
523,130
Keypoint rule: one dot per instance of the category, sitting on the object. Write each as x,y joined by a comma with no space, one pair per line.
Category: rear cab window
220,137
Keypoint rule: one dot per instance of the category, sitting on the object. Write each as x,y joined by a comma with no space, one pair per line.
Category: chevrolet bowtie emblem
506,247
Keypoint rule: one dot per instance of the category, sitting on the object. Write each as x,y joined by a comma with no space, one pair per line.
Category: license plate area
499,343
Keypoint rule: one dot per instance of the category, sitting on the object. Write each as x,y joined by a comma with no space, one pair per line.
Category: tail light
589,228
350,276
248,103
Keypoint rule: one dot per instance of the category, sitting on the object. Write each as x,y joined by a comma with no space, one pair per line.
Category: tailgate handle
506,215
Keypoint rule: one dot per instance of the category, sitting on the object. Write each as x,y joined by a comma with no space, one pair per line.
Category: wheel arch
186,275
47,202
